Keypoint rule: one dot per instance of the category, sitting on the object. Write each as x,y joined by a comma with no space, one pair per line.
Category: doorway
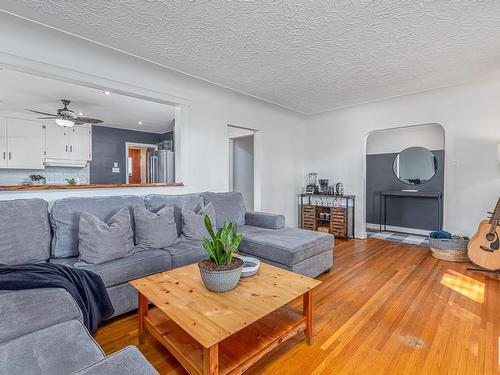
137,162
242,163
134,173
405,182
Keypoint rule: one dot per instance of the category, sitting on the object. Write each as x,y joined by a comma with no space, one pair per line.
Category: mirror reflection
58,133
415,165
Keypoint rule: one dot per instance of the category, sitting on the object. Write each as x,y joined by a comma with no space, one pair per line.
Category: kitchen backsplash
53,175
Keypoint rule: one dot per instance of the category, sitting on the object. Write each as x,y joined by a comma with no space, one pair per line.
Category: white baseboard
391,228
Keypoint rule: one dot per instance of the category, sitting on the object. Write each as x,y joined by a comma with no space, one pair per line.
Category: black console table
414,194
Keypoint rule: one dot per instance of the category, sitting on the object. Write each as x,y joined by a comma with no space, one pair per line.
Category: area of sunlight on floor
465,285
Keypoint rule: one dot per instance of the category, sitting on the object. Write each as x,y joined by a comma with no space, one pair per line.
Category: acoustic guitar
484,246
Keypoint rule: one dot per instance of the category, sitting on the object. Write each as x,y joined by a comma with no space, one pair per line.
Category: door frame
361,211
134,144
257,167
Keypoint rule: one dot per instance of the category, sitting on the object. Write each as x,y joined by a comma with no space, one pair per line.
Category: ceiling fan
66,117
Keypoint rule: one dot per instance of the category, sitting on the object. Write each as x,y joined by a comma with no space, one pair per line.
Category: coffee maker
311,187
323,186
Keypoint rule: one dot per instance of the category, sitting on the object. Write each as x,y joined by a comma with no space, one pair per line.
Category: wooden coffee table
223,333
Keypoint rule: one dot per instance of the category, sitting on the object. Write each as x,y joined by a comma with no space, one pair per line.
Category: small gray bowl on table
250,266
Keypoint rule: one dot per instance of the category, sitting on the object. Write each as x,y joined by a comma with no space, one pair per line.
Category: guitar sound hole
491,237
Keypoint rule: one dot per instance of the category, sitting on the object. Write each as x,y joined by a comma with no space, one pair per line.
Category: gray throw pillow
193,223
154,230
100,242
228,206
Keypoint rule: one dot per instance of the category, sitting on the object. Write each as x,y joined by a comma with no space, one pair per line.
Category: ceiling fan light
65,123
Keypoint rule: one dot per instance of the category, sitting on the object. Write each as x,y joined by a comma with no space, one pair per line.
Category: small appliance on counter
339,188
323,186
311,187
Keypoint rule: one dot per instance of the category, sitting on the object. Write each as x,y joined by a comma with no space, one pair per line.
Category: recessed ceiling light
107,92
140,122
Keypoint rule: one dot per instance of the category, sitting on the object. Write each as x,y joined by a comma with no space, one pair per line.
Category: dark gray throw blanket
86,287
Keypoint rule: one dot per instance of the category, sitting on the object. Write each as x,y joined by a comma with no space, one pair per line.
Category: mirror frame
410,184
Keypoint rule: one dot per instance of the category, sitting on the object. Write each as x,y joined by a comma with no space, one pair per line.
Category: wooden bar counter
94,186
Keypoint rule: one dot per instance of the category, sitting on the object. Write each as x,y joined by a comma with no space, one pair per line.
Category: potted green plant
221,272
37,179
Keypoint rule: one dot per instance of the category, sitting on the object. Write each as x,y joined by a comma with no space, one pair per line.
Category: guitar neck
496,217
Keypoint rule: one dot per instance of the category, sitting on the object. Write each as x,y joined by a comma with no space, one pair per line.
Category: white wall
470,116
243,168
430,136
212,109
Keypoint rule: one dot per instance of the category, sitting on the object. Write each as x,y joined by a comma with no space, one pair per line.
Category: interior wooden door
134,173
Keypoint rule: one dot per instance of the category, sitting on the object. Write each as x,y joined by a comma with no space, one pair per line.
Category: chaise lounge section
266,237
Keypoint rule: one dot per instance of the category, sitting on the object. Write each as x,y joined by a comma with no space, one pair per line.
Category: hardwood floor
386,308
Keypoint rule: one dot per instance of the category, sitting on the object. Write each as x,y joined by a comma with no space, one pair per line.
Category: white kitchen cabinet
79,142
68,146
3,143
56,142
25,144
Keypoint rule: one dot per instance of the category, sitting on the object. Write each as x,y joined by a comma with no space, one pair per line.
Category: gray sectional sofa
41,332
265,237
36,234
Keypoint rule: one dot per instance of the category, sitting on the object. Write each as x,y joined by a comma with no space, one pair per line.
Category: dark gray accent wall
108,147
407,212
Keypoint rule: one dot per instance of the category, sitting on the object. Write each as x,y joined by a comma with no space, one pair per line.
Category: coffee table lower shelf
236,353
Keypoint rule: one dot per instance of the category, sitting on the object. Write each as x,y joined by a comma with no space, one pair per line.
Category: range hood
65,163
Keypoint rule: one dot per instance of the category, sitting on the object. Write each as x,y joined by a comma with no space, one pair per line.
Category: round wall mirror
415,165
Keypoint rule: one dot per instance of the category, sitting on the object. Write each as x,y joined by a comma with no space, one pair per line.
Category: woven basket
453,250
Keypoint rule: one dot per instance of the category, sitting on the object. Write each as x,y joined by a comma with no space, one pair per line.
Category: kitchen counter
94,186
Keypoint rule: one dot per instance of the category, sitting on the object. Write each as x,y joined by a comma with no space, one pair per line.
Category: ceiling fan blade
41,113
46,118
87,120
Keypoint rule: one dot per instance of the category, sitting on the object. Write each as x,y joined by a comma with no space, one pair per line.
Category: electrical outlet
455,164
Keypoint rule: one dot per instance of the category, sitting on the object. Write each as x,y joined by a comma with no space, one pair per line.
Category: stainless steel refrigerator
161,167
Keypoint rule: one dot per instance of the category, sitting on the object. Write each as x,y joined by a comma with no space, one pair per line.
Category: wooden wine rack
309,217
337,220
338,225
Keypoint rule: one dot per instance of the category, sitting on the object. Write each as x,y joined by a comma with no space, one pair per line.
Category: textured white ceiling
309,55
